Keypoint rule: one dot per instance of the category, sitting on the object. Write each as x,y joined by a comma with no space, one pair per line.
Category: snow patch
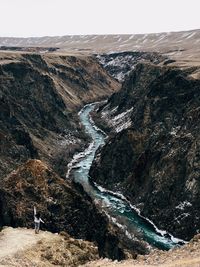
183,205
175,130
122,121
191,35
69,139
131,37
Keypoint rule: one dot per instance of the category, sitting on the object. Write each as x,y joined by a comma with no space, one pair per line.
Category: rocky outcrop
119,65
64,207
155,161
185,256
40,95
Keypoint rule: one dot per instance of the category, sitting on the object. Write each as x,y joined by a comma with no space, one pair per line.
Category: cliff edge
22,247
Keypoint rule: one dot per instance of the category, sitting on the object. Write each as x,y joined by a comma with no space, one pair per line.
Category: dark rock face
30,105
155,162
119,65
63,205
39,96
29,49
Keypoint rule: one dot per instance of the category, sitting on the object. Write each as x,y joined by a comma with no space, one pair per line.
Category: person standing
37,221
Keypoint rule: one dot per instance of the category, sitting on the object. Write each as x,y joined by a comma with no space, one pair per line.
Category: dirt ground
21,247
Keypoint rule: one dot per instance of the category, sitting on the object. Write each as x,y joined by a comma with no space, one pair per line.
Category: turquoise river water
116,205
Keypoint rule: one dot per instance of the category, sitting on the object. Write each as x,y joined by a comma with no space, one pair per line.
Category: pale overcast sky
63,17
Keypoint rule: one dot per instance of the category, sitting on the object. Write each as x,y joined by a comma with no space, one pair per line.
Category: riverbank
119,211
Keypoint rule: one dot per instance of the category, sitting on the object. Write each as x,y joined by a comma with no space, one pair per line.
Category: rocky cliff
64,207
119,65
154,157
186,256
39,96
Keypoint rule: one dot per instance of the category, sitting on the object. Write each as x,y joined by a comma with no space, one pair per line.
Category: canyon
149,85
153,157
40,97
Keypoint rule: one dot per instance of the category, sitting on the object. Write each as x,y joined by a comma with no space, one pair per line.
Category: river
116,206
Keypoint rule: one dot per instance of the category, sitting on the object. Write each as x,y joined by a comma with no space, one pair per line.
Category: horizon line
100,34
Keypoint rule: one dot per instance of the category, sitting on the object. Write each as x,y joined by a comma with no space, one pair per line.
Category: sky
26,18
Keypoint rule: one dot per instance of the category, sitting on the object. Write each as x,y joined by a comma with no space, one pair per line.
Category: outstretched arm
34,209
41,220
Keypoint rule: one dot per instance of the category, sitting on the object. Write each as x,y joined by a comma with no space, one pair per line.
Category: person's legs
37,228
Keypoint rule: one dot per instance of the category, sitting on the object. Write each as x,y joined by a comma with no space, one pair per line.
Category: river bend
116,205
